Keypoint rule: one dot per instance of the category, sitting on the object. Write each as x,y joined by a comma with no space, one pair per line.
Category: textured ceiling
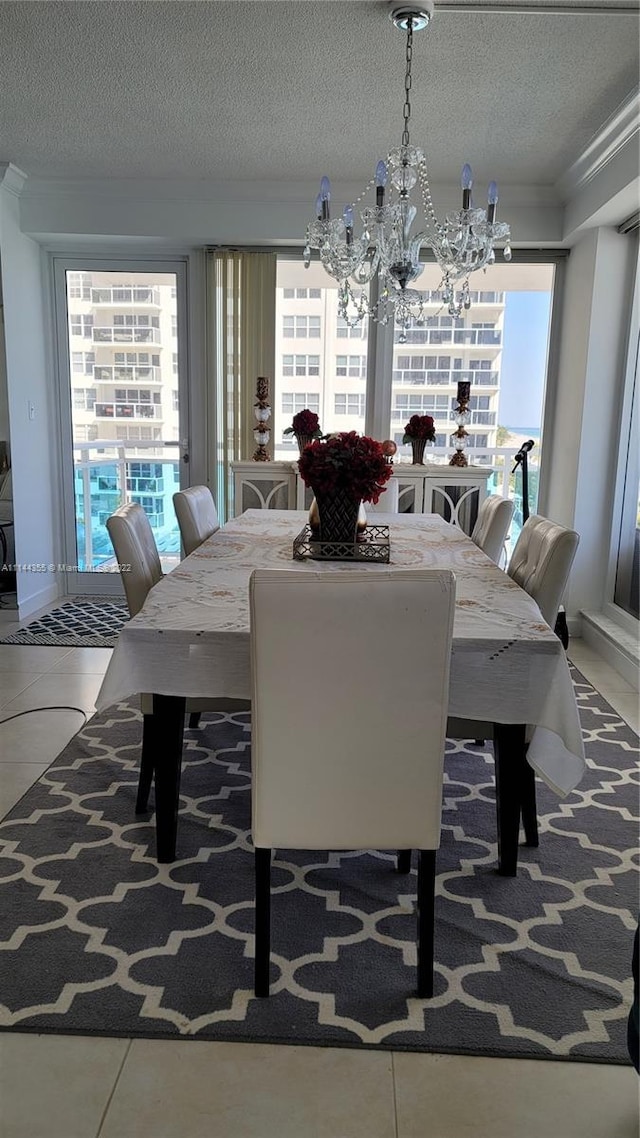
272,90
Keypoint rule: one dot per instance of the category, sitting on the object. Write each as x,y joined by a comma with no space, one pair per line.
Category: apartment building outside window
353,366
300,365
81,324
292,402
346,404
301,327
82,363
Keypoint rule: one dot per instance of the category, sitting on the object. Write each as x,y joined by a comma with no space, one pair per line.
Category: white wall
243,213
4,395
584,447
34,441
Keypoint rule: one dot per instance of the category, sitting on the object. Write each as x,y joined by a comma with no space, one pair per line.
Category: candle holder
461,418
262,411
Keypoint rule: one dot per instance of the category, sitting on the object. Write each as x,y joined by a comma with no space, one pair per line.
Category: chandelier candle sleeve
466,182
492,199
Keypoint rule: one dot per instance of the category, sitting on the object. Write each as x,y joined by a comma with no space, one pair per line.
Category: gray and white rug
97,938
79,623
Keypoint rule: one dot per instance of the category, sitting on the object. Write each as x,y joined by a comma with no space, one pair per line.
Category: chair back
541,562
197,516
347,745
492,525
134,544
389,501
6,486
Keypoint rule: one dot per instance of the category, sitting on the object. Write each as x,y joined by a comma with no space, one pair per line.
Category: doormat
78,623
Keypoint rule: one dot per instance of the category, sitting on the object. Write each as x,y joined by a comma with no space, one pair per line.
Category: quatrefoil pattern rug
96,937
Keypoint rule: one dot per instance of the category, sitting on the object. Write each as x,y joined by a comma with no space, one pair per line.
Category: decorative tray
372,546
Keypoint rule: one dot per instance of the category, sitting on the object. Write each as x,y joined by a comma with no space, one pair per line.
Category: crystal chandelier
387,247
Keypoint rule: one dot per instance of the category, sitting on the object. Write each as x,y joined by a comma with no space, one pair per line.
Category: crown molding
12,178
615,133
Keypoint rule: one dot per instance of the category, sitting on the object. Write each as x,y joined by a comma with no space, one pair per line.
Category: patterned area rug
80,623
97,938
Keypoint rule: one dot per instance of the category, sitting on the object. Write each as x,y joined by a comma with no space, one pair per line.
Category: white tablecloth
192,636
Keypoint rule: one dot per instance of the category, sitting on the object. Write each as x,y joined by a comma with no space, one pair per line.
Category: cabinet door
458,504
262,492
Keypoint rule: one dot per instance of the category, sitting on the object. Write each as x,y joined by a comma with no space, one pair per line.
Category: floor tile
15,779
84,660
29,657
627,705
603,676
76,690
13,683
54,1086
448,1096
38,737
239,1090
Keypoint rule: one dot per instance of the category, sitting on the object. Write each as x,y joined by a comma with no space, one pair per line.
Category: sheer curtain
241,310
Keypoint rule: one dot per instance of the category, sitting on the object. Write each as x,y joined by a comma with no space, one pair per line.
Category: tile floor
56,1086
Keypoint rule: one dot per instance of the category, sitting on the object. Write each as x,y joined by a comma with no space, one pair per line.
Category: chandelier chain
406,110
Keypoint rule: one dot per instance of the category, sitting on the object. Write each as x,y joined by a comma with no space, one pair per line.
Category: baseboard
614,644
37,602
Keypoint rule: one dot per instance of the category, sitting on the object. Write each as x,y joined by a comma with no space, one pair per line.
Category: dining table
508,668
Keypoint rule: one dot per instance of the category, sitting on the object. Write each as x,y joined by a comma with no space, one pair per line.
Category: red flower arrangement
305,423
419,427
347,462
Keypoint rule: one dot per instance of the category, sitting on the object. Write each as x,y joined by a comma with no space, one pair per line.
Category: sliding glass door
123,413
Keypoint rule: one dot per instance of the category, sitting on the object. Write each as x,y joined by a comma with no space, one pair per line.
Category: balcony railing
106,478
125,373
118,335
128,411
419,377
118,296
477,336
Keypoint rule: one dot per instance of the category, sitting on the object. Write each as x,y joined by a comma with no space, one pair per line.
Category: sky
524,357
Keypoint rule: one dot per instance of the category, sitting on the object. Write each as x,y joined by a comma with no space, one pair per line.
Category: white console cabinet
454,492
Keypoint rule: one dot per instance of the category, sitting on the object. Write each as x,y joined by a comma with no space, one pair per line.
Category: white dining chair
197,516
492,526
139,561
389,500
332,769
540,563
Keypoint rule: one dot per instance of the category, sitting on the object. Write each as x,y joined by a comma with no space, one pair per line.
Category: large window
626,583
123,400
499,346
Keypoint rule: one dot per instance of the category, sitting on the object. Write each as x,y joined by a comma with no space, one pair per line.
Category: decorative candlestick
262,413
461,418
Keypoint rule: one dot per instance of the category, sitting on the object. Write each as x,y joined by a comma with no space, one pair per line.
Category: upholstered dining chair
197,516
137,554
492,525
389,501
331,769
540,563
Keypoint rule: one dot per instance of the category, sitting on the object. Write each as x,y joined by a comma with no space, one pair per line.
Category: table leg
509,749
167,731
529,806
